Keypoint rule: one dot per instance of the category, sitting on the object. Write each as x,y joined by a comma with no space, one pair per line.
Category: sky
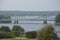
30,5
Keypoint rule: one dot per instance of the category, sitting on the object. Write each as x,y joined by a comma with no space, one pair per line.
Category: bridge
16,19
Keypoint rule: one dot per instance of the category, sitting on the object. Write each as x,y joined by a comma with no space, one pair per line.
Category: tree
5,29
17,30
47,33
5,32
5,17
57,19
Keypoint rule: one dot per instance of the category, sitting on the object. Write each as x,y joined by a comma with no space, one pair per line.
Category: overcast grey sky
30,5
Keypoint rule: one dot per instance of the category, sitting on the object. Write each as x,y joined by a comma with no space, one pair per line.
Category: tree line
16,31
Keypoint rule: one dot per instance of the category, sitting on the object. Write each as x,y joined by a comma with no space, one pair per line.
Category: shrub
17,30
5,29
32,34
6,35
47,33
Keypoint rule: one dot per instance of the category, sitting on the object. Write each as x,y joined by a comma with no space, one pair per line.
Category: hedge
6,35
31,34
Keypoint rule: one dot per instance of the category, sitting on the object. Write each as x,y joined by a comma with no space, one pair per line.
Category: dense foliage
6,32
5,17
47,33
5,29
17,30
6,35
31,34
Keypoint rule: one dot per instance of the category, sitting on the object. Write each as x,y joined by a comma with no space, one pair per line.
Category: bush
32,34
17,30
47,33
6,35
5,29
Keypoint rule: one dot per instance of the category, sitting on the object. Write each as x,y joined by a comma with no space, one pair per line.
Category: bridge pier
15,21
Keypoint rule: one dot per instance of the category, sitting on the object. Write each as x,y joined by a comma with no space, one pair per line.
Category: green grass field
16,39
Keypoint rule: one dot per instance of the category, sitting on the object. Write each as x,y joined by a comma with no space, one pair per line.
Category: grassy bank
17,39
